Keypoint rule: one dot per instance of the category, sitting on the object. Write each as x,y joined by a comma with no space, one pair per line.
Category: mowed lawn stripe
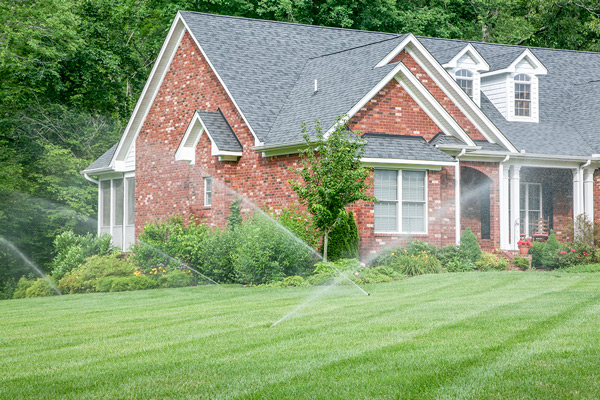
425,337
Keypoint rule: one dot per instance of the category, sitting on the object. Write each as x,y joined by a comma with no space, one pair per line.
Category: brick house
508,133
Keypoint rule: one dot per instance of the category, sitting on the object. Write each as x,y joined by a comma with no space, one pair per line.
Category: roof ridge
289,23
357,47
509,45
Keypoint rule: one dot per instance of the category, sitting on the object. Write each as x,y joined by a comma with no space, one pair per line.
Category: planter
524,250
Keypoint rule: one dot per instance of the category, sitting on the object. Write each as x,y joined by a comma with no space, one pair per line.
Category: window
522,95
207,191
464,78
130,201
402,201
531,206
119,201
105,202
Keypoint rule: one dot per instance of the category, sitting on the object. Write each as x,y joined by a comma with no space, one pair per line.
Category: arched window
464,78
522,95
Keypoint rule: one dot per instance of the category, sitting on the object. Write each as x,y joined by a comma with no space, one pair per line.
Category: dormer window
464,78
522,95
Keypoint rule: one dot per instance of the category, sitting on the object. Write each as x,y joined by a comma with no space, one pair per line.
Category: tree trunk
325,241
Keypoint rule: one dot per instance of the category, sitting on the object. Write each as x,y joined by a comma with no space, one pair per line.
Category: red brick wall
439,94
393,111
470,206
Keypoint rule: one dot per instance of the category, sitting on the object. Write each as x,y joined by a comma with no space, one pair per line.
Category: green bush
491,262
343,239
469,247
378,274
84,278
417,247
584,268
299,221
71,250
32,287
235,215
412,265
266,252
452,259
521,262
549,258
538,252
176,279
125,283
323,273
290,281
7,288
213,256
576,253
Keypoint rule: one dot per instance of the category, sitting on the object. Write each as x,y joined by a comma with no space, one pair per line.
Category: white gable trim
430,105
390,56
192,135
539,68
482,65
464,103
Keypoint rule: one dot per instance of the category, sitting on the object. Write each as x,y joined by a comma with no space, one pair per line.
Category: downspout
94,181
504,237
457,196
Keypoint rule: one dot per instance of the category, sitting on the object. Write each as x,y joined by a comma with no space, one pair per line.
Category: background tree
331,176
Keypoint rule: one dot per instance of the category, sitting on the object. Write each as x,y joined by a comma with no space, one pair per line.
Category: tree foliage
331,176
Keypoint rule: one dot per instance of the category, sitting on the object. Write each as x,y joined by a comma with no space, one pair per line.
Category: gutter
86,176
457,196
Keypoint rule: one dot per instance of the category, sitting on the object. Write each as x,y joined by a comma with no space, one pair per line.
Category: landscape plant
521,263
84,279
331,176
299,222
491,262
72,249
469,246
344,239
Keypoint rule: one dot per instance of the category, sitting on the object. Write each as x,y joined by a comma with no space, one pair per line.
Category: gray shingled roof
260,61
104,160
440,139
404,147
569,98
220,130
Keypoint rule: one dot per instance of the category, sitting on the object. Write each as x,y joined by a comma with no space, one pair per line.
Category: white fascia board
482,65
356,108
462,100
214,148
402,163
433,106
539,68
390,56
153,84
257,142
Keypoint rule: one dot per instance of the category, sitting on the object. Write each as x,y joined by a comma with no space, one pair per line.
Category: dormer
466,68
514,89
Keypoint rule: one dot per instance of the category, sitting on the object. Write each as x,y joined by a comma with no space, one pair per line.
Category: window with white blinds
402,201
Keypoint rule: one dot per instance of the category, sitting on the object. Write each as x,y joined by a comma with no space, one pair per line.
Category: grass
447,336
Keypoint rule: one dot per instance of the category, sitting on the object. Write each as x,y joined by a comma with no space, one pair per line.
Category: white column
515,205
457,200
503,181
588,193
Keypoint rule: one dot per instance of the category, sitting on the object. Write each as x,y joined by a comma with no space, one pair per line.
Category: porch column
504,181
515,206
588,193
577,192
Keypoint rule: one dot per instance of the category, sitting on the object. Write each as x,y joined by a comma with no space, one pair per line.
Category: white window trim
207,203
525,224
534,87
475,78
399,229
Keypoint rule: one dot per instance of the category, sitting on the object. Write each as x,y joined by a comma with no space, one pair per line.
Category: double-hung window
401,205
464,78
208,191
522,95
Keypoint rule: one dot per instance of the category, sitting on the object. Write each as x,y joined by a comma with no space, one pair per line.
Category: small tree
331,176
469,247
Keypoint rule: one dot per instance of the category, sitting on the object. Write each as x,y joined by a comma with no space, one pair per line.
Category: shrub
537,252
417,247
575,254
176,279
549,257
323,273
491,262
521,262
266,252
235,215
7,288
343,239
299,221
40,287
290,281
469,247
378,274
412,265
22,285
84,278
585,268
213,256
125,283
71,250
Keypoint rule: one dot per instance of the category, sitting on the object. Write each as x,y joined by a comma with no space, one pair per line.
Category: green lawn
473,335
